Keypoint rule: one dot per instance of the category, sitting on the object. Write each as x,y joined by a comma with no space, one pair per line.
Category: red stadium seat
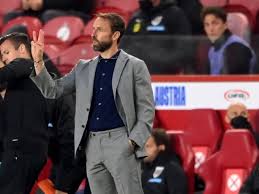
69,57
9,5
238,24
63,30
31,23
194,123
225,171
184,150
53,52
128,6
249,8
219,3
87,32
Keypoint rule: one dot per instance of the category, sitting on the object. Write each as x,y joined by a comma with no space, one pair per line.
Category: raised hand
37,49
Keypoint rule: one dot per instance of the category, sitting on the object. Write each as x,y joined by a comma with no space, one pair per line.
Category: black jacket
54,132
166,18
251,185
164,176
25,111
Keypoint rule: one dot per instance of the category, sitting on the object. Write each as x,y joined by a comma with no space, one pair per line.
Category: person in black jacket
26,138
237,116
162,171
61,135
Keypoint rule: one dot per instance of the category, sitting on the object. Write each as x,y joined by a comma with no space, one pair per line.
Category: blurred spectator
48,9
159,17
162,171
229,54
192,9
238,117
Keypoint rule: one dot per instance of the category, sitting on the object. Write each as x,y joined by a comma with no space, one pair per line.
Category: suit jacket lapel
92,69
119,66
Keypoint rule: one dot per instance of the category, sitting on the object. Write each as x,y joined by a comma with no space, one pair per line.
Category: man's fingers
41,37
34,36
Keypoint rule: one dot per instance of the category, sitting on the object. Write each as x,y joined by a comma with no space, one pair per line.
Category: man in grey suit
114,107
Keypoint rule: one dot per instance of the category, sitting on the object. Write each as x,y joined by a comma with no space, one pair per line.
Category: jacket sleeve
144,105
55,88
176,179
17,69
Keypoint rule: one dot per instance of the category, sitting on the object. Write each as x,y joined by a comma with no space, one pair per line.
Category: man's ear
161,147
22,48
116,35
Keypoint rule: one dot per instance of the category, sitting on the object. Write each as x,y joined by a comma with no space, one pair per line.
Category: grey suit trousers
112,167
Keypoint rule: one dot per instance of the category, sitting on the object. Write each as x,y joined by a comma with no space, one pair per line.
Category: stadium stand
225,170
63,30
9,5
219,3
70,56
194,123
128,6
31,23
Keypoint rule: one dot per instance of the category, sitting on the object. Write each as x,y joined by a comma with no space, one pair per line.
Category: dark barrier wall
169,54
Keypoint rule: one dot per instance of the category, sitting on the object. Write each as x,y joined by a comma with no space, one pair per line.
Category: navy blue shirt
103,113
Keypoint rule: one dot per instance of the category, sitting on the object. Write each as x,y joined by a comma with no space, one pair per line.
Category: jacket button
83,126
88,109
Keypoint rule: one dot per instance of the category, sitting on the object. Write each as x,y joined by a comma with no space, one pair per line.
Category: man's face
214,27
236,110
102,35
9,52
152,150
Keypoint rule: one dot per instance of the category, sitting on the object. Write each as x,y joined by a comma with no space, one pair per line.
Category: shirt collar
221,40
115,56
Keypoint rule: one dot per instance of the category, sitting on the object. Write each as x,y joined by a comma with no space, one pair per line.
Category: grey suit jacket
132,91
